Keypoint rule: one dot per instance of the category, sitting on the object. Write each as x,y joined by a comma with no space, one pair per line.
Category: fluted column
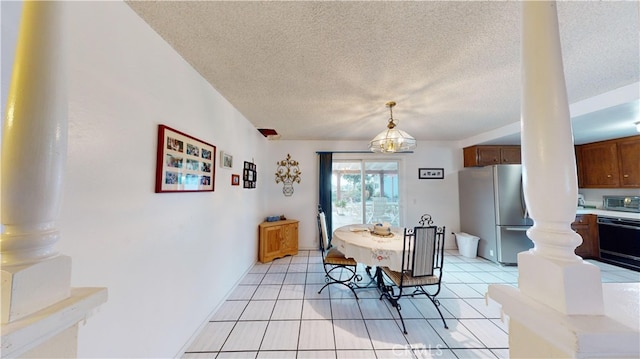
549,272
34,143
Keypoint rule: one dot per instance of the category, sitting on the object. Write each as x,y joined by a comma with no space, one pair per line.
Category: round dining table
357,241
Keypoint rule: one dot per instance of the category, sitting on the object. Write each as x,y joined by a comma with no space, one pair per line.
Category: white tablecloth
356,241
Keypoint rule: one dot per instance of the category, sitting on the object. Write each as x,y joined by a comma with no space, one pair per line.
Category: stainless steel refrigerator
492,207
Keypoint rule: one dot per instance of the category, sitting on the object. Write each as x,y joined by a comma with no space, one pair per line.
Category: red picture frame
184,163
235,180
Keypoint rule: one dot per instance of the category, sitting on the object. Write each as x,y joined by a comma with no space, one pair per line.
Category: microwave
622,203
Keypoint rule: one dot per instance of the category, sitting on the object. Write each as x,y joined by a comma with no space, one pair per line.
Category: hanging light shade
392,139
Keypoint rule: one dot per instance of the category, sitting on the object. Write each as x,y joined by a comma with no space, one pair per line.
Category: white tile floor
276,312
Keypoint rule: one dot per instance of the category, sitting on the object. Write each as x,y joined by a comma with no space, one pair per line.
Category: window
365,191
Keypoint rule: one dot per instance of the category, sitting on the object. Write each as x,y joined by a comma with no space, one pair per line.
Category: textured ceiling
324,70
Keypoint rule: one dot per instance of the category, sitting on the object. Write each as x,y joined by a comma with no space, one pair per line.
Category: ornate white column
40,310
549,174
34,143
34,149
558,309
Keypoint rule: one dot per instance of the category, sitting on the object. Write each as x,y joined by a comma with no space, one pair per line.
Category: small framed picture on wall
430,173
226,160
235,180
249,175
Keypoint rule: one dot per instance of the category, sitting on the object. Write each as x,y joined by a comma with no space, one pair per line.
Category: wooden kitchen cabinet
478,156
277,239
510,155
598,165
587,227
629,161
609,164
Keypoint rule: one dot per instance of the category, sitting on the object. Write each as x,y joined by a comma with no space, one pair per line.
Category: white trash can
467,244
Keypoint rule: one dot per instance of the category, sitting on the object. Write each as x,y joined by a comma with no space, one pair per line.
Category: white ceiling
324,70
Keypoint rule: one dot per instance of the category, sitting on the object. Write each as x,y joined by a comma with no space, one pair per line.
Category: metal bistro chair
422,260
338,268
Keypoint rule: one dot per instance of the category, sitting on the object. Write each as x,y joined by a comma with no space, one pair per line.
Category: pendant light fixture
392,139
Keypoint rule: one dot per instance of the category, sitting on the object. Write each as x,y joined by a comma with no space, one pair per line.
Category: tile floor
276,312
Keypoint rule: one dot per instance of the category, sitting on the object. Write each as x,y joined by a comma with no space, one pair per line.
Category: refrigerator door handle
517,229
523,202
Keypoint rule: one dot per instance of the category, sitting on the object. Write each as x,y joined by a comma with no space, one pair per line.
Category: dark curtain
324,185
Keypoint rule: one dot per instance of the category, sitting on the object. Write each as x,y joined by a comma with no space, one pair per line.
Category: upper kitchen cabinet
598,165
478,156
629,161
609,164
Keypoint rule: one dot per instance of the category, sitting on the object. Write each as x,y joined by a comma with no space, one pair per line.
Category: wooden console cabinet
277,239
478,156
587,227
609,164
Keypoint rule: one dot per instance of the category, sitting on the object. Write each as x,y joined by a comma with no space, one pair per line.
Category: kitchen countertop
605,213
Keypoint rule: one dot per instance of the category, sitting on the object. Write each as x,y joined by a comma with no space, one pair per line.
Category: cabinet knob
625,176
608,176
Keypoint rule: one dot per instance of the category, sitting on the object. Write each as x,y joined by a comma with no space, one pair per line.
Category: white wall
436,197
167,259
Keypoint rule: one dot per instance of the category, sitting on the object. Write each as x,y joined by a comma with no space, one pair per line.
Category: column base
525,343
49,278
538,331
62,345
51,332
572,288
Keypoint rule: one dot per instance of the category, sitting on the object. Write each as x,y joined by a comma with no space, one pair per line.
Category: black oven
620,241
